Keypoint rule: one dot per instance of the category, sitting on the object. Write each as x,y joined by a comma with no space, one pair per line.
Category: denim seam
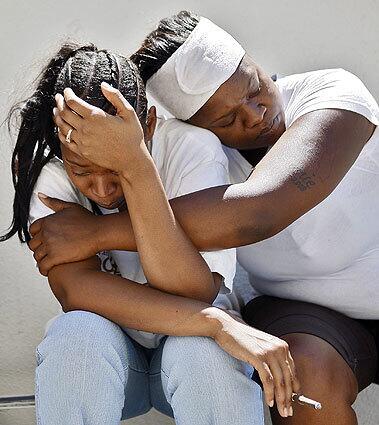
165,374
136,370
84,373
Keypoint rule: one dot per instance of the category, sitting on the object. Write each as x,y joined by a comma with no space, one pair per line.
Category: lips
112,205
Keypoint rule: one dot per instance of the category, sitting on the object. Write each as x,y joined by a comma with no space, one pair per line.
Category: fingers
35,227
63,126
45,265
280,388
77,104
72,146
54,203
35,242
66,114
114,96
40,253
288,387
295,381
267,382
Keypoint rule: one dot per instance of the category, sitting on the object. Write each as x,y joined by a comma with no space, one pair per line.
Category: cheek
232,137
81,183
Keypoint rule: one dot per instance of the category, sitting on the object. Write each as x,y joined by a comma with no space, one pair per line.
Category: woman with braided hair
304,159
108,356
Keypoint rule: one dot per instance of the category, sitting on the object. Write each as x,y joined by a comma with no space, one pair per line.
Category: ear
151,122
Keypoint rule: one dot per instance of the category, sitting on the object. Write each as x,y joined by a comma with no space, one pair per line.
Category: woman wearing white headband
321,128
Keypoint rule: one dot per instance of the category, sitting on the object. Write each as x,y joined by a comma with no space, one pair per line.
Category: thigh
354,343
205,385
102,357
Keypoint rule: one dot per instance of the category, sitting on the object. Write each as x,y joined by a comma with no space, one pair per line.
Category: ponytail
37,142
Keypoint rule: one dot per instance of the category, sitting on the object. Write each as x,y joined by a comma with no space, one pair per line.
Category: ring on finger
68,137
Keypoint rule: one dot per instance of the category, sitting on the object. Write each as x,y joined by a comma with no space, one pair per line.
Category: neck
253,156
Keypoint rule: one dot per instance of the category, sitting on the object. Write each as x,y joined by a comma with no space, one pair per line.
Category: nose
103,187
253,114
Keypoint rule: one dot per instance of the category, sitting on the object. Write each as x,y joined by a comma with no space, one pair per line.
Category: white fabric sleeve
54,182
329,89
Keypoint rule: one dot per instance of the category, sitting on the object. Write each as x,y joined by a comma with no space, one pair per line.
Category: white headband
196,70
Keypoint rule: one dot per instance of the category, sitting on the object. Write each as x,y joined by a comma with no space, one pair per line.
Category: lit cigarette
307,401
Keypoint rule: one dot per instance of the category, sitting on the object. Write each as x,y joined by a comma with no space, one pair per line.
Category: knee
321,369
199,358
79,335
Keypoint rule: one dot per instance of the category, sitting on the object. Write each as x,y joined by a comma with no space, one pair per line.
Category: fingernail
56,97
55,111
42,195
67,90
290,411
105,84
271,403
285,411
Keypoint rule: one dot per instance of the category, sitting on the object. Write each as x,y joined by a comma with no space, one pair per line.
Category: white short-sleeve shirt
330,255
188,159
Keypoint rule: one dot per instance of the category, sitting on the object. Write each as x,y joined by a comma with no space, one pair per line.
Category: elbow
207,291
61,292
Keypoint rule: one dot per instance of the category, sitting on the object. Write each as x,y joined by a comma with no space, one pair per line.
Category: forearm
301,170
215,218
169,259
132,305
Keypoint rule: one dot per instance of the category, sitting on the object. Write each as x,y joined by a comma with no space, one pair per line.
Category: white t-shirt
330,255
188,159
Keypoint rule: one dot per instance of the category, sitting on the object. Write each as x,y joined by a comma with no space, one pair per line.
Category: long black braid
82,68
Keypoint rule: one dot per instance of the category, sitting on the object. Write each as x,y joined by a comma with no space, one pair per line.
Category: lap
79,336
349,337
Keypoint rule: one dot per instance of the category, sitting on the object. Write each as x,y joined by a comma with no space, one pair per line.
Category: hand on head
110,141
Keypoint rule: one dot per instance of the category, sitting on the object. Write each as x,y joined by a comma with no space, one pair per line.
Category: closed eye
230,123
80,174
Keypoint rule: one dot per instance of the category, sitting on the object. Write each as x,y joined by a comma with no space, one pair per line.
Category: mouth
112,205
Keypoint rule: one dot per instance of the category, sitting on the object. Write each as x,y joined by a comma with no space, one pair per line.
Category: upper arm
63,278
306,164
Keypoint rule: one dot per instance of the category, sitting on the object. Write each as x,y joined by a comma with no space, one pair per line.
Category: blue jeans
90,372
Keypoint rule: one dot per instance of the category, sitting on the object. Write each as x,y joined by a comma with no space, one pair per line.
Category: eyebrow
76,164
253,77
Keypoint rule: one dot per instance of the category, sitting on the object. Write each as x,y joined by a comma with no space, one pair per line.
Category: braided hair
82,68
163,42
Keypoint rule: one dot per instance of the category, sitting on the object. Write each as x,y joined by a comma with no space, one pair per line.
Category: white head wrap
196,70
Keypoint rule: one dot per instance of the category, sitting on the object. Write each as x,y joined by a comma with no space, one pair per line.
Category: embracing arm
301,170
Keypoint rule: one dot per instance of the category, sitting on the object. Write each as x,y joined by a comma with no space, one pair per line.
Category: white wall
282,35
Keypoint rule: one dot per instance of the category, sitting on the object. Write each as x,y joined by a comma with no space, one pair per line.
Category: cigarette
301,399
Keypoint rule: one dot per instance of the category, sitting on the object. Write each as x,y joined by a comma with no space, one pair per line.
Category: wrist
101,234
214,319
141,171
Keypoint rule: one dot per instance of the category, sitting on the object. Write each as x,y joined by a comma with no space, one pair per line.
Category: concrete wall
282,35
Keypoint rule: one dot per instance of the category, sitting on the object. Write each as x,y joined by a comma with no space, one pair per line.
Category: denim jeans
89,372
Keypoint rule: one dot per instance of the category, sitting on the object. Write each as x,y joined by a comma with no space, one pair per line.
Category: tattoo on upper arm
303,181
